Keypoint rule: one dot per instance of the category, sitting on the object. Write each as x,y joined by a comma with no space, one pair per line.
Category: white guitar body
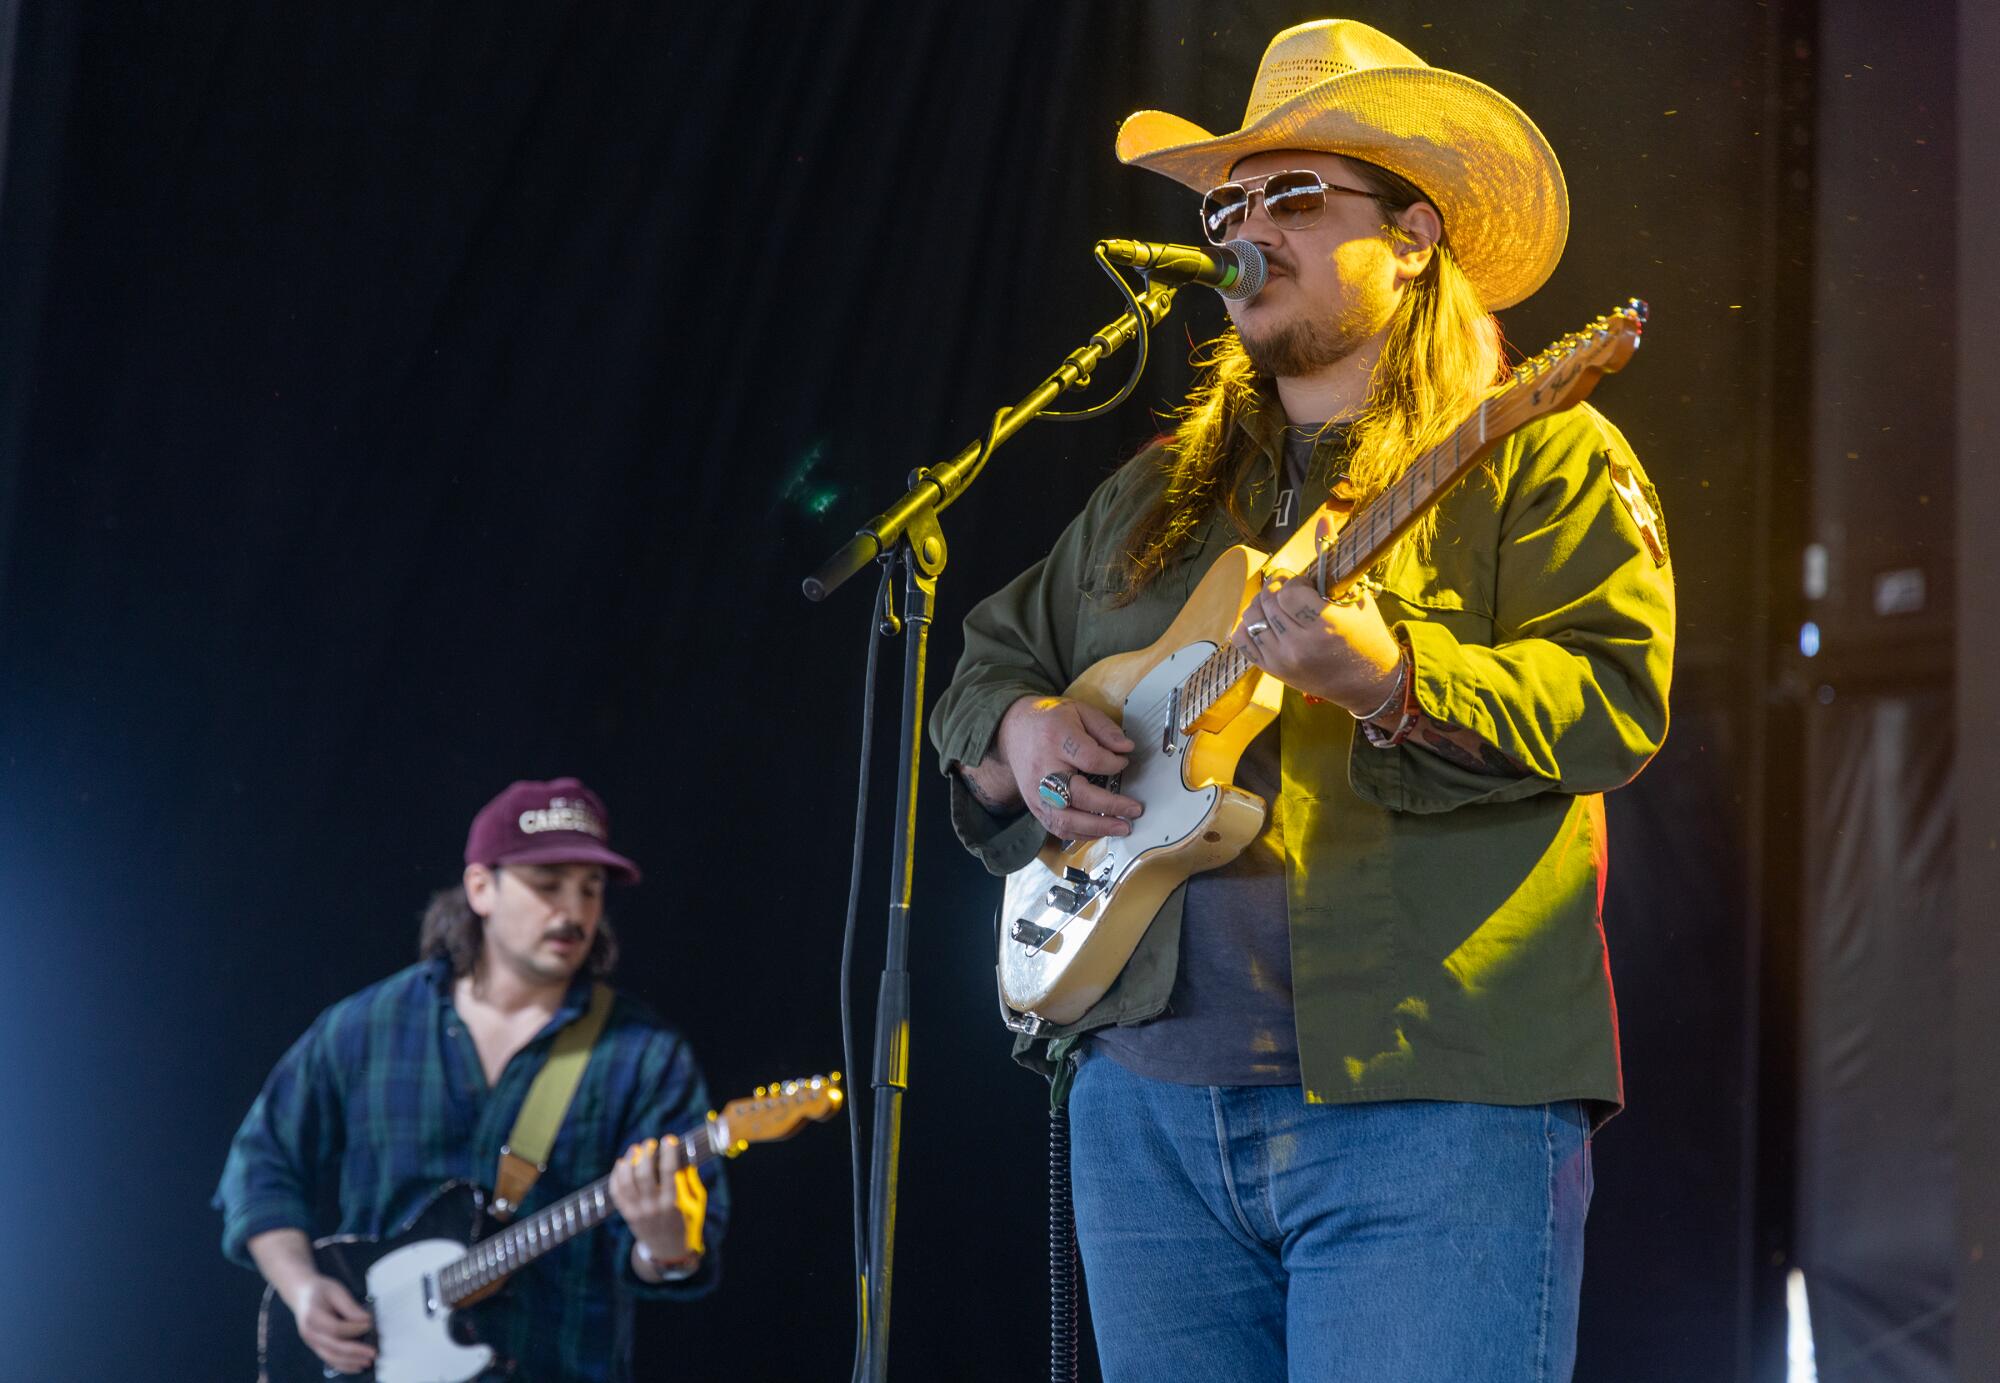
1074,915
1058,958
412,1323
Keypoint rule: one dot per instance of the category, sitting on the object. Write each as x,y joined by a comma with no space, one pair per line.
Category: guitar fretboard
1537,388
514,1247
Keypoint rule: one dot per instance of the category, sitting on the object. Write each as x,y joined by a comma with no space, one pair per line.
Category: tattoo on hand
1069,745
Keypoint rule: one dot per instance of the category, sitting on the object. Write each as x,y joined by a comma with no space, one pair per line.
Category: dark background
398,400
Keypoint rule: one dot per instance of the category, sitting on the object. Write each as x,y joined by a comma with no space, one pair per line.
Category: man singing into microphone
1332,1121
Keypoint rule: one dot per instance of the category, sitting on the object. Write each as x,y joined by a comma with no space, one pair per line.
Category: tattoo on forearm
979,794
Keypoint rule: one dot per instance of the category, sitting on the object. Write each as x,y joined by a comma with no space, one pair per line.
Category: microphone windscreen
1250,271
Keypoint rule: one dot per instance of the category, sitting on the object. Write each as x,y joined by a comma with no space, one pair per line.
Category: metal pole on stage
908,533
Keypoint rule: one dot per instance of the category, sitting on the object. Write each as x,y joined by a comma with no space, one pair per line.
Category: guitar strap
526,1155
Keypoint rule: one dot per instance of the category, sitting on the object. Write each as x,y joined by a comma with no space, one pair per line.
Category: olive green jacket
1447,934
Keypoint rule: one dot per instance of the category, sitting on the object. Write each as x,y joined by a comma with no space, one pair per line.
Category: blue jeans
1241,1235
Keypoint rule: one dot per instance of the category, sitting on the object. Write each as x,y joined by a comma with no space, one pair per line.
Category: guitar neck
1369,534
521,1243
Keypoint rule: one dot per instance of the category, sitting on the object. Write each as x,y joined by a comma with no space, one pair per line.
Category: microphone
1235,270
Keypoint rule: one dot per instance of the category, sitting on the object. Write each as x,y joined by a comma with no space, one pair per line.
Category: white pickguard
412,1336
1058,978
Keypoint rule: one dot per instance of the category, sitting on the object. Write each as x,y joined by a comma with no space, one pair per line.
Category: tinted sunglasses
1293,200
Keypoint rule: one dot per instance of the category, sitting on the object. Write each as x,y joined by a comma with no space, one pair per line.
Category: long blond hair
1441,355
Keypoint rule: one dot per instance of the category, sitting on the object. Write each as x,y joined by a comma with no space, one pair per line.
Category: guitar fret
517,1245
1360,541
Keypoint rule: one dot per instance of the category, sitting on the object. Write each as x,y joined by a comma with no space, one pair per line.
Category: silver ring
1254,629
1054,790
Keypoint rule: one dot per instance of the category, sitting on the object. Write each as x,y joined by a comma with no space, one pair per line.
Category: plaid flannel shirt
383,1099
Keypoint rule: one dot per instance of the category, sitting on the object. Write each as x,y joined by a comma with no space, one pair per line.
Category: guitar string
1216,676
1368,529
477,1267
580,1210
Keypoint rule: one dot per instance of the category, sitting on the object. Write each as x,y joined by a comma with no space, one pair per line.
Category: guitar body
416,1339
1073,916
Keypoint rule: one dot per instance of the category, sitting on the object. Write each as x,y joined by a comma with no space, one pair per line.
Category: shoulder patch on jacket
1642,503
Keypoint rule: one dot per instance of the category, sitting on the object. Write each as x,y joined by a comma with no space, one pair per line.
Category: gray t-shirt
1229,1019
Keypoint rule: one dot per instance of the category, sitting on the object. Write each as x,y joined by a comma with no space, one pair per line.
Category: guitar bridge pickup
1030,935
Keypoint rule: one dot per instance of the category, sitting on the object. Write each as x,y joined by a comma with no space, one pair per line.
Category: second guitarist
417,1081
1332,1119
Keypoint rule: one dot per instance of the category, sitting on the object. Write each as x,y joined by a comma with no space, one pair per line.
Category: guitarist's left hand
1343,652
664,1210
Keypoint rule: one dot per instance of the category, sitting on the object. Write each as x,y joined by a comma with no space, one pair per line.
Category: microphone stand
907,533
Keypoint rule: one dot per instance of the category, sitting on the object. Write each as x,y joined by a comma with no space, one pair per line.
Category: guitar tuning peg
760,1092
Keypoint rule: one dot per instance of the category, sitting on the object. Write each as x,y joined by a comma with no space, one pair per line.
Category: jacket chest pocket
1442,585
1105,628
1442,607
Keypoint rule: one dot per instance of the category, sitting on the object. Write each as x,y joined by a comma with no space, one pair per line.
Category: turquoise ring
1054,790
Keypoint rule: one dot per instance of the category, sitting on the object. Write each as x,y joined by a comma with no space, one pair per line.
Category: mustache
1277,262
568,933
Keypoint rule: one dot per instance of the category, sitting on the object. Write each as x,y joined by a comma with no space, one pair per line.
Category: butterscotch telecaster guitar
1191,704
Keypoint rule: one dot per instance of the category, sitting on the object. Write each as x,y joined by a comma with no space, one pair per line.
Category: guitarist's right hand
332,1323
1040,735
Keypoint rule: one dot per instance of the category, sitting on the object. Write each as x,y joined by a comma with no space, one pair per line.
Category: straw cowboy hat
1337,86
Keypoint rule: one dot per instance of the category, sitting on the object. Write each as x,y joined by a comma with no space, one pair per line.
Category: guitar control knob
1068,899
1030,935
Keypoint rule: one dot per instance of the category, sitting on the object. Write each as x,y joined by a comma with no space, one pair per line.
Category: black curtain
1876,1169
403,399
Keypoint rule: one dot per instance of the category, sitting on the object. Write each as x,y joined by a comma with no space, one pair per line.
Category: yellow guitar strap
526,1155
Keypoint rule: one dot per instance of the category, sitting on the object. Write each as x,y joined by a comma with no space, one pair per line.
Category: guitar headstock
778,1111
1563,375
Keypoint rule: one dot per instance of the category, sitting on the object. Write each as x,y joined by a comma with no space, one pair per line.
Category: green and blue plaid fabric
383,1100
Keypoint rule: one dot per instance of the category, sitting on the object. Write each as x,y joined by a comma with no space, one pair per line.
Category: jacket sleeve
1574,686
291,1137
672,1094
1019,641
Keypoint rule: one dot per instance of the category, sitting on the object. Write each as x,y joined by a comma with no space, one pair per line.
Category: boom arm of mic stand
935,487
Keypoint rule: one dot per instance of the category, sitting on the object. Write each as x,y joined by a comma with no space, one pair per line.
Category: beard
1296,349
1307,344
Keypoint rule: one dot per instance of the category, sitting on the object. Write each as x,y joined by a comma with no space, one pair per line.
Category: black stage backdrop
401,399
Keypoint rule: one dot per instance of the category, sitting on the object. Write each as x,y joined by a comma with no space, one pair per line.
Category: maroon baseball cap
557,822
